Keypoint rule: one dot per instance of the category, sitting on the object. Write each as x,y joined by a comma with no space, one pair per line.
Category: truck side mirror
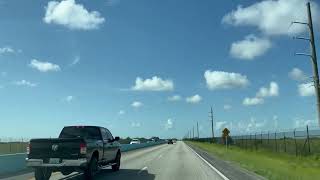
117,138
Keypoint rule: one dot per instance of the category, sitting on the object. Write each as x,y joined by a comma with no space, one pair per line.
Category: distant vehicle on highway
170,141
155,139
86,149
135,141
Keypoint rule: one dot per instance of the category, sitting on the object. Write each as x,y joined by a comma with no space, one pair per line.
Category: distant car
135,141
170,141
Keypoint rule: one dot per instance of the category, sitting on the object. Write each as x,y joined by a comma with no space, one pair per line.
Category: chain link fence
298,142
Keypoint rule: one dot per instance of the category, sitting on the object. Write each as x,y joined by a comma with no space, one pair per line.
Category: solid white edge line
72,176
143,169
210,165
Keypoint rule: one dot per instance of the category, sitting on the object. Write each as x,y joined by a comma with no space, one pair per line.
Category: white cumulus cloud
174,98
25,83
302,123
306,89
169,124
225,80
264,92
250,48
72,15
220,125
252,101
136,104
272,90
44,66
272,17
153,84
7,50
254,126
194,99
297,75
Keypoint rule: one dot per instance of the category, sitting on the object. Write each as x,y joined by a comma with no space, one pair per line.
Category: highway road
162,162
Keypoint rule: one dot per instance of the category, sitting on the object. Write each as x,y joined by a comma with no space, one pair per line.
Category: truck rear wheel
42,173
92,168
116,167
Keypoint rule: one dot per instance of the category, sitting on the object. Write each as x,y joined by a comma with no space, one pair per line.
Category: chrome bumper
64,163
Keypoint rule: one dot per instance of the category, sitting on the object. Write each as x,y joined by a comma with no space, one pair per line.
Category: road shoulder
230,170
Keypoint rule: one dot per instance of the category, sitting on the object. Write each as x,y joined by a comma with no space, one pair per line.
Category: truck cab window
109,135
104,134
80,132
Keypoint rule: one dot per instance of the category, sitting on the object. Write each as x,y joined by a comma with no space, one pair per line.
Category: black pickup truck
86,149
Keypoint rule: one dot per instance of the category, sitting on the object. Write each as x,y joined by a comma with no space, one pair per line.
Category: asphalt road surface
163,162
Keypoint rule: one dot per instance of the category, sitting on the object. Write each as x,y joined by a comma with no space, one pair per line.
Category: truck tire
92,168
42,173
116,167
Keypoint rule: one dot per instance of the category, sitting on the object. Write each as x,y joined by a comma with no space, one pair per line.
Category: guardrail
10,163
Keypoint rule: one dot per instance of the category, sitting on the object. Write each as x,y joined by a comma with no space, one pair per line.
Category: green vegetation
13,147
274,166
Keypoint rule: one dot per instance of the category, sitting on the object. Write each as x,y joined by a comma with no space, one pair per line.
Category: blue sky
118,64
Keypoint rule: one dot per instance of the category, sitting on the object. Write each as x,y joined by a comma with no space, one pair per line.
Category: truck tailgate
68,148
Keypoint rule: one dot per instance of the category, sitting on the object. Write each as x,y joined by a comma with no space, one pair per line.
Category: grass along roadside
274,166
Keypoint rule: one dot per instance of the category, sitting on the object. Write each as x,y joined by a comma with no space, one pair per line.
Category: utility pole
211,115
192,132
314,60
313,57
197,129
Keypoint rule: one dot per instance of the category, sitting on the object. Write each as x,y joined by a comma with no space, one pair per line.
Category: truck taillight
28,148
83,148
